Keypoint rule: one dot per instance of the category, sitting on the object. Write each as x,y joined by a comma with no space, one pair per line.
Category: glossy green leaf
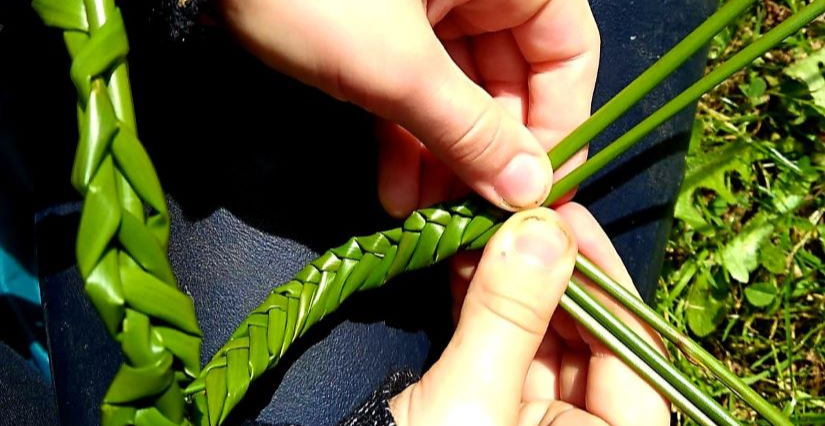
157,299
117,415
705,308
99,219
65,14
755,90
710,171
760,294
106,47
133,290
131,384
185,347
138,343
772,258
104,289
151,417
810,72
740,256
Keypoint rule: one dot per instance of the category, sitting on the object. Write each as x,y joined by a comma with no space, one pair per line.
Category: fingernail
523,182
541,242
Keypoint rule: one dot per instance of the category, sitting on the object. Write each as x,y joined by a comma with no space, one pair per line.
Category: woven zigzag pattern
124,226
427,236
124,232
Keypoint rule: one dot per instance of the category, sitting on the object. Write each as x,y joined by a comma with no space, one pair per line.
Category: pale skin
470,94
517,360
477,89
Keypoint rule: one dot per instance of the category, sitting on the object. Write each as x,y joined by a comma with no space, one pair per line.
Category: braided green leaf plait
122,250
124,230
427,236
124,226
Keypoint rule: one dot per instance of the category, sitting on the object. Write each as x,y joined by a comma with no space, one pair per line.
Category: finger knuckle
478,141
513,307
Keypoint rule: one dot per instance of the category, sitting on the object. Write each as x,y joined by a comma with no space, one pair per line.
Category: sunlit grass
745,269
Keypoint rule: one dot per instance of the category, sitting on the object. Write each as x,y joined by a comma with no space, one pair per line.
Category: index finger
614,392
561,44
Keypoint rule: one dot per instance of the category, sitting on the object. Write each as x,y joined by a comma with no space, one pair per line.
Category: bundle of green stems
625,343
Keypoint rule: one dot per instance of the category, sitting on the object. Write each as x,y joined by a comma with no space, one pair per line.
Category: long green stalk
642,369
647,81
683,100
649,355
692,350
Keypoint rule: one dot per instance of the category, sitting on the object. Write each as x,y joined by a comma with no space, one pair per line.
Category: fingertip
482,143
573,212
542,242
551,222
525,182
532,242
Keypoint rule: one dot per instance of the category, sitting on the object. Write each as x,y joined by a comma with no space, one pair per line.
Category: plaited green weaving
124,231
124,226
427,236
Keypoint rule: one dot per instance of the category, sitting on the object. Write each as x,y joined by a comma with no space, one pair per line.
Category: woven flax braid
427,236
124,226
121,251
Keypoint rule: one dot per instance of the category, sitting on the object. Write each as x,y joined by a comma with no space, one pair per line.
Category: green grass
745,268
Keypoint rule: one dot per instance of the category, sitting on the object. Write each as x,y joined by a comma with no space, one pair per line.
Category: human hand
513,360
486,85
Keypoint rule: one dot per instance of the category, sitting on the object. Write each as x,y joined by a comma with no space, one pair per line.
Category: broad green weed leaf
760,294
755,90
809,72
706,306
686,212
740,256
709,171
791,188
773,259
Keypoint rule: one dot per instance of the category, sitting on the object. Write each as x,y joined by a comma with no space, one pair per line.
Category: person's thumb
463,126
517,286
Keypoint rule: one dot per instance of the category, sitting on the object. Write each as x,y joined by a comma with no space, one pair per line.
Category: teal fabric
16,280
21,312
21,291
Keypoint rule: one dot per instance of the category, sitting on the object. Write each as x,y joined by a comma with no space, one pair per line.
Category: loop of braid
124,226
427,236
122,243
